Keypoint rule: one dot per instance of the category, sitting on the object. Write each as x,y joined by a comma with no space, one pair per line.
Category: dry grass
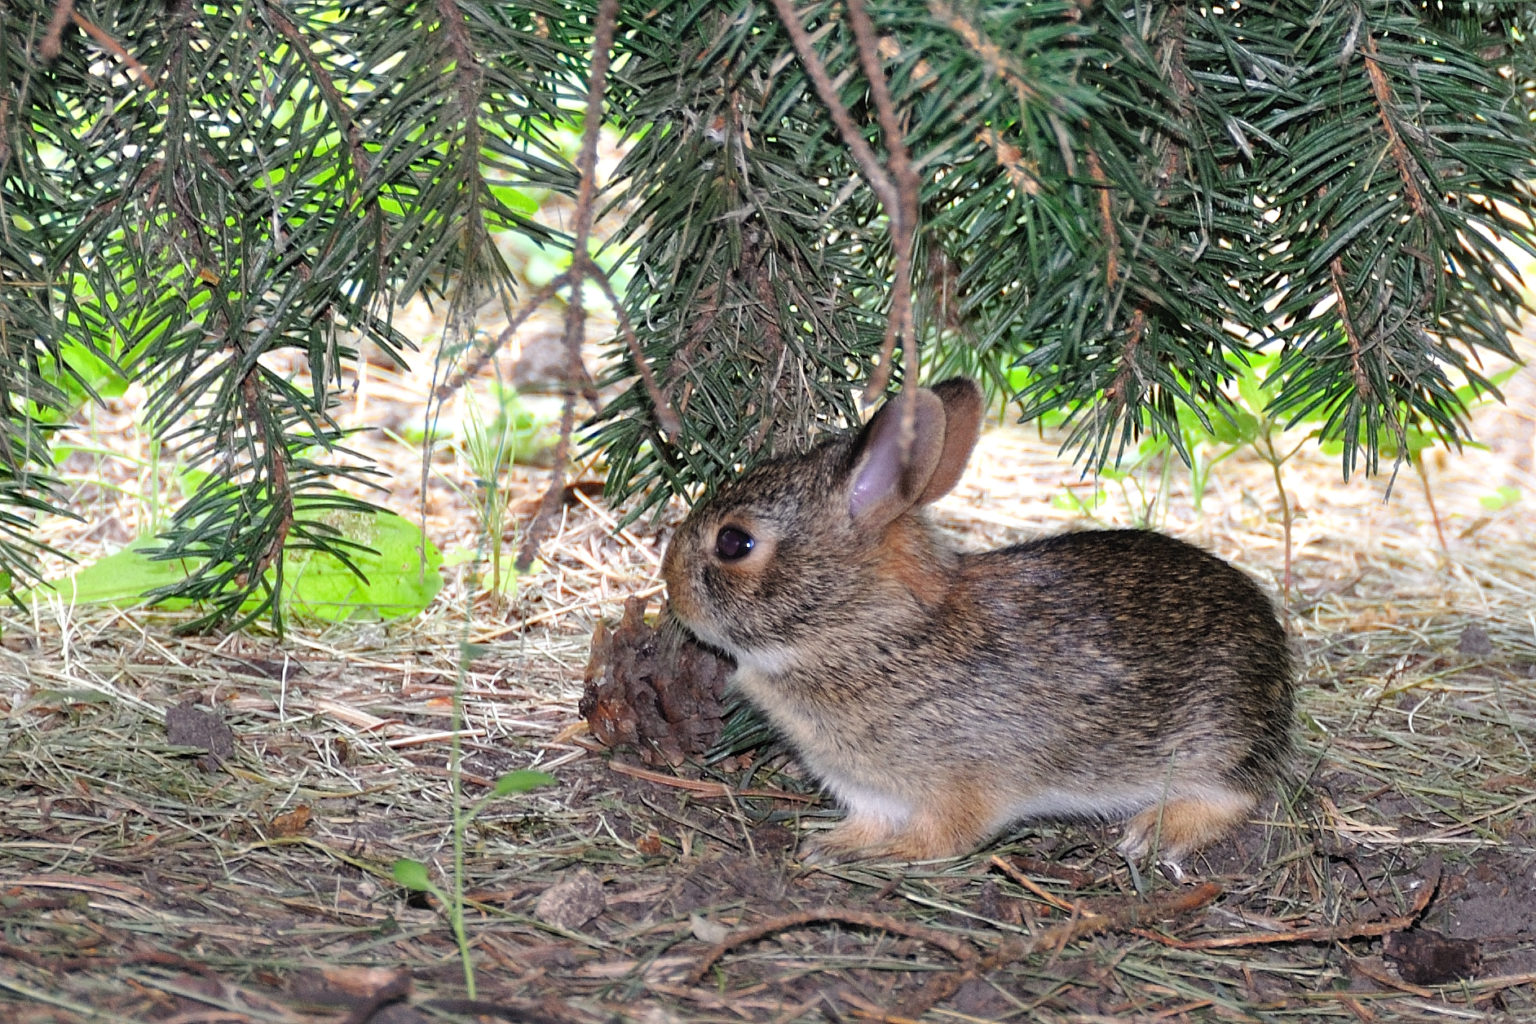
141,882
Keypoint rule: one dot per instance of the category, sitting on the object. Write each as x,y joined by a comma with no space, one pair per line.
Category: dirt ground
203,829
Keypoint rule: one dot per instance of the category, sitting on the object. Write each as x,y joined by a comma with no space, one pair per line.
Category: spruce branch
582,267
1386,107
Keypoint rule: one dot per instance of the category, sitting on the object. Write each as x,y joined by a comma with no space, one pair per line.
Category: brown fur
940,695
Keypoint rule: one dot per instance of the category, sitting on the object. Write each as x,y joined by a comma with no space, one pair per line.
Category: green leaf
1500,499
400,576
412,874
521,782
121,578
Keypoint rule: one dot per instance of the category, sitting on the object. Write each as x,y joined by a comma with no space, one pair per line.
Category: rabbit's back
1138,645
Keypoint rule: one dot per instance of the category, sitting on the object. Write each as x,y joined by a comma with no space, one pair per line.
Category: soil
206,829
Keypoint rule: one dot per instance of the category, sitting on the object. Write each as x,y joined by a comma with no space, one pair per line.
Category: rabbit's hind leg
934,830
1183,824
854,837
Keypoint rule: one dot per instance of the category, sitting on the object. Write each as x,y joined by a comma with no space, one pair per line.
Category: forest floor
244,873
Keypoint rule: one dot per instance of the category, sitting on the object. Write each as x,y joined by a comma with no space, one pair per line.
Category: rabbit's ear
962,425
884,484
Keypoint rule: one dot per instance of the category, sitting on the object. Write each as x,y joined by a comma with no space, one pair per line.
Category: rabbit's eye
732,543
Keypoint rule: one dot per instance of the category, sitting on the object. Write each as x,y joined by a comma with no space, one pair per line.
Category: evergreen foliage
206,185
1118,203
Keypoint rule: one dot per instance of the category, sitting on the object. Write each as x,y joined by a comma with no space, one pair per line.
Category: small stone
187,725
571,902
1474,641
706,930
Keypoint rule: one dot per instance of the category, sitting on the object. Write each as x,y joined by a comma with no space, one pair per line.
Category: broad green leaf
401,572
521,782
120,578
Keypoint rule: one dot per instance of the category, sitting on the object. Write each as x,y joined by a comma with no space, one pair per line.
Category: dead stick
1030,884
1319,933
951,944
1058,936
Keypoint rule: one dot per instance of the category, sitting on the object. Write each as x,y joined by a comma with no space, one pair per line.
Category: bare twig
951,944
1126,918
476,362
53,37
575,312
666,419
869,164
896,187
53,40
903,215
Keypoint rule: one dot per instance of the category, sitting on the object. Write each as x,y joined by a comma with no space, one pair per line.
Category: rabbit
940,695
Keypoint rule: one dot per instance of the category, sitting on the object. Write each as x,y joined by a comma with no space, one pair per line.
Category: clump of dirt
654,688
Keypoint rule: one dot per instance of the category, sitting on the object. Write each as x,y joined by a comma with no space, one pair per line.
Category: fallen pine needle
702,788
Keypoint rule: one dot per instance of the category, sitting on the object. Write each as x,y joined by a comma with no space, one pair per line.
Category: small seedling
514,434
413,874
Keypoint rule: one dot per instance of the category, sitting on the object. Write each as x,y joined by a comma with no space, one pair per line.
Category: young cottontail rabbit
942,695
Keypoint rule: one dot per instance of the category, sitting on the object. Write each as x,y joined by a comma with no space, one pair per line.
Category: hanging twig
903,215
582,267
666,419
896,186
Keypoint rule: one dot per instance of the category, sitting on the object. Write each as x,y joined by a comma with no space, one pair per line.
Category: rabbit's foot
1183,825
926,835
852,838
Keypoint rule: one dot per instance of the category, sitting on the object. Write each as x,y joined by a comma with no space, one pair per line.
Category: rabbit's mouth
702,630
769,659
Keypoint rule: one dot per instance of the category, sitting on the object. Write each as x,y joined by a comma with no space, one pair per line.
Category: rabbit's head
766,565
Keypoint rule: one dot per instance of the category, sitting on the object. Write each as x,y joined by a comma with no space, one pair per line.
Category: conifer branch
1381,90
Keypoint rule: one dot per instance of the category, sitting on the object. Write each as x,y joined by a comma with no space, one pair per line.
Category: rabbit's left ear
945,422
962,425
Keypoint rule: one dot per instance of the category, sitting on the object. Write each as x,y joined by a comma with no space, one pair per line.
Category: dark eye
732,543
